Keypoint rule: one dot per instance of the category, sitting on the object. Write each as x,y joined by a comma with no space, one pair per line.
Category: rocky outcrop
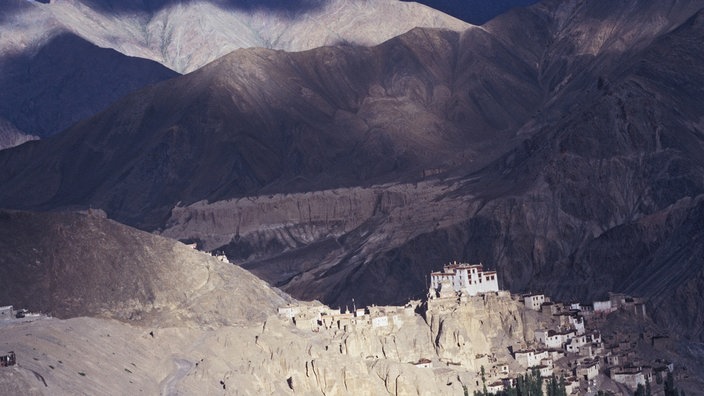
486,325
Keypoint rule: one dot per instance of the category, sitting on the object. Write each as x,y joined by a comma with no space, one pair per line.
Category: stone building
534,301
530,357
588,369
629,376
468,279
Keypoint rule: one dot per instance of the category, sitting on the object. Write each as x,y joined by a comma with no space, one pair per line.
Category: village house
500,369
534,301
613,360
545,370
467,279
571,385
631,376
495,387
509,382
586,309
556,354
550,338
602,307
530,357
380,321
588,369
575,343
289,311
577,323
553,339
550,307
565,319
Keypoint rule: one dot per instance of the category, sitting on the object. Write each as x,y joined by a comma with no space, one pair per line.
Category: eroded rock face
484,325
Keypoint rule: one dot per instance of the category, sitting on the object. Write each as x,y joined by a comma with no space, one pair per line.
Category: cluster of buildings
562,347
320,317
586,352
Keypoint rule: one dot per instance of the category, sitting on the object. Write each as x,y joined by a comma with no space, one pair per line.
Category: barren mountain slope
262,120
73,264
101,356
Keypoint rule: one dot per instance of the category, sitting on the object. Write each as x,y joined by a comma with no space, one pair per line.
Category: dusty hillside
72,264
101,356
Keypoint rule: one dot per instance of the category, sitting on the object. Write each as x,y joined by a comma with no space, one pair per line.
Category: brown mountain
275,121
561,144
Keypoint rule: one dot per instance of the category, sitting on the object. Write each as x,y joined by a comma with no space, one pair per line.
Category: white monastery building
469,279
534,301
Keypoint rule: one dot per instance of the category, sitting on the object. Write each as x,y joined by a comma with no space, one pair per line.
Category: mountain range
560,144
77,57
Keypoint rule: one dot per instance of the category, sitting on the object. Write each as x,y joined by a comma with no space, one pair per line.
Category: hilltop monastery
466,279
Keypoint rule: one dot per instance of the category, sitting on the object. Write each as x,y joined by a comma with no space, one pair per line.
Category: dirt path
168,385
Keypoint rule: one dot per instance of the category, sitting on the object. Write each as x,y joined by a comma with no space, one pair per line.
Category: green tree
670,388
640,390
557,387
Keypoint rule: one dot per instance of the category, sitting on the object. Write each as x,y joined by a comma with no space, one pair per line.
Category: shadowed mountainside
72,264
561,144
272,121
67,80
